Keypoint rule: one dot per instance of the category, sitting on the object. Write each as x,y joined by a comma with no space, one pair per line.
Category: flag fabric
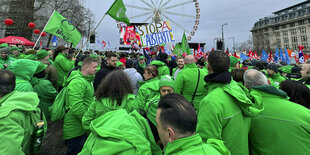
184,45
251,54
264,56
102,44
287,58
54,41
276,56
243,57
282,57
118,11
61,27
177,50
270,57
301,57
255,55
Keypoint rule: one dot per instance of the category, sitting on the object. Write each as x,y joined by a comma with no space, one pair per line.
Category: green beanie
118,63
233,61
42,54
166,80
15,49
4,45
40,68
142,57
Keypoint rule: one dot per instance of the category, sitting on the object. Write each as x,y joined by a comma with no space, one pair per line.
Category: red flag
212,49
184,54
255,55
270,57
251,54
162,49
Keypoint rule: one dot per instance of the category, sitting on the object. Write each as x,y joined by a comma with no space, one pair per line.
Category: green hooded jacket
225,114
47,94
16,124
24,69
186,82
150,109
80,95
147,91
63,66
99,108
283,127
162,68
277,79
194,145
118,132
6,61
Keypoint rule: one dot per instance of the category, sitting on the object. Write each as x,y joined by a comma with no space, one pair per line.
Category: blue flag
54,41
282,58
287,57
276,56
243,57
264,56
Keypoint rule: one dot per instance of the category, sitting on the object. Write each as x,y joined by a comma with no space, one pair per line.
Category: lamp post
223,35
233,38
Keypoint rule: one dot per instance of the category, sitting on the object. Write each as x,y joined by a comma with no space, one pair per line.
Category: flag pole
43,30
91,33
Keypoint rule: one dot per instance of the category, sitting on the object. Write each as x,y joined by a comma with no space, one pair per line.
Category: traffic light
92,38
219,45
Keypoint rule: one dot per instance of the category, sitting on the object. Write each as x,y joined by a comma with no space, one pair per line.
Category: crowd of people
151,103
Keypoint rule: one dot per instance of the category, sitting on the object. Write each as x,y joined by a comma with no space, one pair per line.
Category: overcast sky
239,14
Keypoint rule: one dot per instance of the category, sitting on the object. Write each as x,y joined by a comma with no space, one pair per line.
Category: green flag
61,27
118,11
184,45
177,50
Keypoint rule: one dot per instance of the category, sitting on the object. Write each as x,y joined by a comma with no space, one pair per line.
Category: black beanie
273,67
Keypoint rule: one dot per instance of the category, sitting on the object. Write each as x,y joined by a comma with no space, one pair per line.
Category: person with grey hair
189,82
281,123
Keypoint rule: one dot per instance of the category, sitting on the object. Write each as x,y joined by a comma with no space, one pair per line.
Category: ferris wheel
182,14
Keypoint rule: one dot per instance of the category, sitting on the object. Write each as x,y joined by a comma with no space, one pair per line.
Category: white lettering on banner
155,34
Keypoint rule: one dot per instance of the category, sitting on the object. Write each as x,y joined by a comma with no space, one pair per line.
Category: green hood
78,74
158,63
121,132
26,101
113,105
271,90
24,68
248,108
193,65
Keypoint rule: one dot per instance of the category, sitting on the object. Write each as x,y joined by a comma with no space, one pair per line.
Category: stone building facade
286,28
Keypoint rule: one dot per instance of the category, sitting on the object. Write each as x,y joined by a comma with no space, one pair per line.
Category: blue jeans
75,145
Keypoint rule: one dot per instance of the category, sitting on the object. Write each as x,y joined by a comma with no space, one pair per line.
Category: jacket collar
193,65
271,90
182,144
224,77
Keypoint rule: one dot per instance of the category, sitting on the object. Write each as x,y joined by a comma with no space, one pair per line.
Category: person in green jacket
225,113
274,74
17,117
176,124
15,52
24,69
5,59
283,127
161,63
234,63
115,92
190,83
51,72
150,88
78,98
305,74
62,64
120,132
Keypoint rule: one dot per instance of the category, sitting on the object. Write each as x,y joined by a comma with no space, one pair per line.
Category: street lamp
223,35
233,38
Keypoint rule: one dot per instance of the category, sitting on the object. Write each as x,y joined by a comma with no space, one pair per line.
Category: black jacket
101,74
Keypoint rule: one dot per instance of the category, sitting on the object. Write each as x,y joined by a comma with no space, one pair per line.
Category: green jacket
15,122
63,66
186,81
150,109
162,68
24,70
277,79
99,108
225,114
118,132
194,145
47,94
282,128
6,61
147,91
80,95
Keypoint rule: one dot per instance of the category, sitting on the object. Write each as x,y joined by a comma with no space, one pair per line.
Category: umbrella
16,40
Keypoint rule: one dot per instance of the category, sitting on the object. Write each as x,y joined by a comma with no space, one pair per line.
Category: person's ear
171,134
269,82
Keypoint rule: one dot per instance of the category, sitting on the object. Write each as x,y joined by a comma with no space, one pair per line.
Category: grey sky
239,14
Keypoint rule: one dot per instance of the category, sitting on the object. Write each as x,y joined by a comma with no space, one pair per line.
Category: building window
294,39
277,34
301,22
295,46
305,45
303,30
304,38
292,24
287,46
285,33
279,41
293,31
285,40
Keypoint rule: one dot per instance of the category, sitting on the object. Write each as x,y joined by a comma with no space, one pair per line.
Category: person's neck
84,72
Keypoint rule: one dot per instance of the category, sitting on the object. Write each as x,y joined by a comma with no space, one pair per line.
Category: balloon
8,22
43,34
31,25
36,31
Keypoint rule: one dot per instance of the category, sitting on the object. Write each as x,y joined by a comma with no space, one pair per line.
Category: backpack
58,109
